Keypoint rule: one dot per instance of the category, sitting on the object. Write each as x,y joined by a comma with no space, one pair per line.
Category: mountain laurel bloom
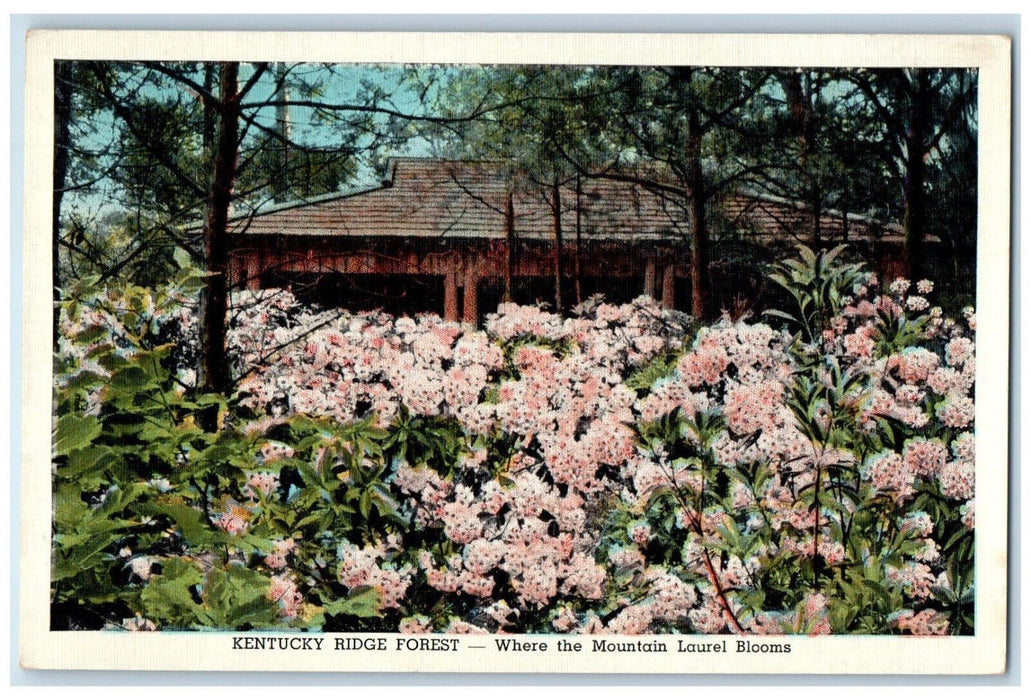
899,286
284,591
957,479
234,520
276,559
957,411
925,623
914,577
925,457
888,473
138,624
263,483
606,473
368,567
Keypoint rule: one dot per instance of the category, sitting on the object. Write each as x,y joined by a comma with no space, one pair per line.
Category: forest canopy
137,143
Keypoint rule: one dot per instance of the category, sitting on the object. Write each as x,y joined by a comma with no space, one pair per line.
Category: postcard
522,353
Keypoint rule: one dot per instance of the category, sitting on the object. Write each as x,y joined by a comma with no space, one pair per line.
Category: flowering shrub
620,471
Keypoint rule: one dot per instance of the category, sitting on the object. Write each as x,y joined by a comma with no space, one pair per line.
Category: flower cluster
515,479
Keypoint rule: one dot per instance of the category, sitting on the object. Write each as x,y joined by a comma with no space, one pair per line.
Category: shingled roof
435,199
766,218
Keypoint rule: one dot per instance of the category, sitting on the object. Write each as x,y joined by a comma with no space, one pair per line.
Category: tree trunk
914,197
63,75
799,96
214,370
577,261
694,191
556,218
699,267
281,175
208,125
815,213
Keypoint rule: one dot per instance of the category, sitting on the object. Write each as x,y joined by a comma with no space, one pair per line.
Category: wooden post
668,287
556,219
470,303
252,272
509,245
649,277
451,293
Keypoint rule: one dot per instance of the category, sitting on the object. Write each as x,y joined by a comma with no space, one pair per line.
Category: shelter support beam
252,273
470,301
669,287
649,278
451,295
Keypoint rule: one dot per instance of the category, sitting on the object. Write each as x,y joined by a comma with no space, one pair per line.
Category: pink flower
899,286
641,533
456,626
284,591
815,618
565,621
418,624
710,618
234,520
914,365
481,556
915,303
860,343
957,411
959,351
626,558
963,447
753,407
264,483
918,523
957,480
914,577
369,567
924,457
274,451
889,474
475,585
924,623
138,624
280,550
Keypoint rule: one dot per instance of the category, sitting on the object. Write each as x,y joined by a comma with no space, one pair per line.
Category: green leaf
168,599
182,258
362,601
130,378
91,335
238,596
87,464
192,524
365,504
75,431
779,314
84,380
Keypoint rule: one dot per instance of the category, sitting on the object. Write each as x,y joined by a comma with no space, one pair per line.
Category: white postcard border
983,653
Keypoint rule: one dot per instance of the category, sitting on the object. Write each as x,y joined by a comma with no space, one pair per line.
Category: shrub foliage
619,471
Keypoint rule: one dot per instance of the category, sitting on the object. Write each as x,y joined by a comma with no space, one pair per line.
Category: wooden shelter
457,237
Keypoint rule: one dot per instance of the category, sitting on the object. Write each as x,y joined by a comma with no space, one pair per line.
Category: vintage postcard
515,353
